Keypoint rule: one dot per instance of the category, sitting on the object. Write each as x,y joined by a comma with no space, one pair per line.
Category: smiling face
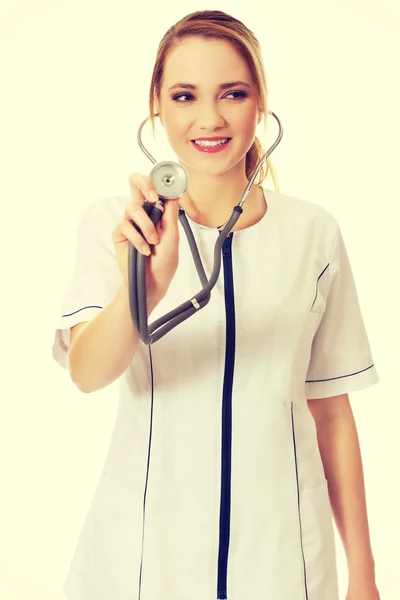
208,91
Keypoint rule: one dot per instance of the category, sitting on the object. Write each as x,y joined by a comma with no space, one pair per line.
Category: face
195,102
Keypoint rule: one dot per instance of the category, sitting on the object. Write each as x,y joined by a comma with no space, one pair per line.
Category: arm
340,453
102,348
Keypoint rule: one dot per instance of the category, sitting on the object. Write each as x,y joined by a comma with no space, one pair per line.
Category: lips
211,139
212,149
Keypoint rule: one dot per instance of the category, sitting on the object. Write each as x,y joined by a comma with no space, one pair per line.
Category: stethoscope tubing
137,262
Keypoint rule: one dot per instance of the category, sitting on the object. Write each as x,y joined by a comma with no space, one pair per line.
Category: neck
210,200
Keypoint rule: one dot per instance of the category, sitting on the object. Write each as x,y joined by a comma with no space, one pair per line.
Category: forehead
204,62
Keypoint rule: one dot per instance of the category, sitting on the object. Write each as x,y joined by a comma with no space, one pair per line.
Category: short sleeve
341,359
94,282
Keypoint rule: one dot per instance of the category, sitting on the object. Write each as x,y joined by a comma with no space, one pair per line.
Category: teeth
208,144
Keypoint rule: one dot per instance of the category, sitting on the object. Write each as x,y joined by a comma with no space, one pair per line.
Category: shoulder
302,215
102,215
294,207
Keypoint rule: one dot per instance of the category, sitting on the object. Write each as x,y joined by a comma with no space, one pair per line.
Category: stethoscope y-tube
170,181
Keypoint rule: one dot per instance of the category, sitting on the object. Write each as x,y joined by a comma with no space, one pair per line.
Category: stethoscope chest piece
170,180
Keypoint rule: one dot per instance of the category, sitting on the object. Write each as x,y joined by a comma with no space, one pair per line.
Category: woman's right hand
162,263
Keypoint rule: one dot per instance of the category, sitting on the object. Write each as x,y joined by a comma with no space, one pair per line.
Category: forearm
341,457
105,346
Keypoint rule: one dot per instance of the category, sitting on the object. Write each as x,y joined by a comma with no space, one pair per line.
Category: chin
211,165
208,171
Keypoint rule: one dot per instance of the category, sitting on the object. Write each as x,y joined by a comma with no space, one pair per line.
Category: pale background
74,84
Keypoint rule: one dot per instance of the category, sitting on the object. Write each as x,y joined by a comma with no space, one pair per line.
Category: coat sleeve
93,284
341,359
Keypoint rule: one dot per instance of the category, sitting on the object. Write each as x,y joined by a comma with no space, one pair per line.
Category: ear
157,114
157,111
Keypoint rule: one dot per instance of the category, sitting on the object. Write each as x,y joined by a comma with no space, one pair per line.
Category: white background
74,79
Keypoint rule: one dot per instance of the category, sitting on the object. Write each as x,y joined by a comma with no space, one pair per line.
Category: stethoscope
171,181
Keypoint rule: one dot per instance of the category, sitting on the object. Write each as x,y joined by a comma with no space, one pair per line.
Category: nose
209,117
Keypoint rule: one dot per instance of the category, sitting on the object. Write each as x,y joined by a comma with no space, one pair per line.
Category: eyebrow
223,86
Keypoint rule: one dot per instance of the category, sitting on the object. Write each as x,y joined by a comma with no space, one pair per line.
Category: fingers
144,185
125,230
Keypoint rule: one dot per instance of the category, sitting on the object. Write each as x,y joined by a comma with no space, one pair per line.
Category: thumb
170,216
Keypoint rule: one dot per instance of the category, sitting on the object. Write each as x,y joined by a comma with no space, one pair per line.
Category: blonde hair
216,24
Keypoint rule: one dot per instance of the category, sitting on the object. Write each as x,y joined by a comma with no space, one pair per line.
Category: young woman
234,442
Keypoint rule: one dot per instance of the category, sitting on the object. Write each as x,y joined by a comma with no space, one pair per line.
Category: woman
234,442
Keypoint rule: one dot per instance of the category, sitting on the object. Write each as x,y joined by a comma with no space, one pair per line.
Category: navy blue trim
340,376
226,451
76,311
298,503
148,463
316,290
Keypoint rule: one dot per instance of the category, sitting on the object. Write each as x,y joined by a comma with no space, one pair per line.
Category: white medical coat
213,486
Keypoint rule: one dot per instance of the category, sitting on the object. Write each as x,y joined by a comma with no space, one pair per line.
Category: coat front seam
298,503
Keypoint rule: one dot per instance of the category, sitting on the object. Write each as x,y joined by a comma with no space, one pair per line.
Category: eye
178,97
239,96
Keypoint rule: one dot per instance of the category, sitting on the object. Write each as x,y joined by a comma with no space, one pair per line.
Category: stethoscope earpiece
170,180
